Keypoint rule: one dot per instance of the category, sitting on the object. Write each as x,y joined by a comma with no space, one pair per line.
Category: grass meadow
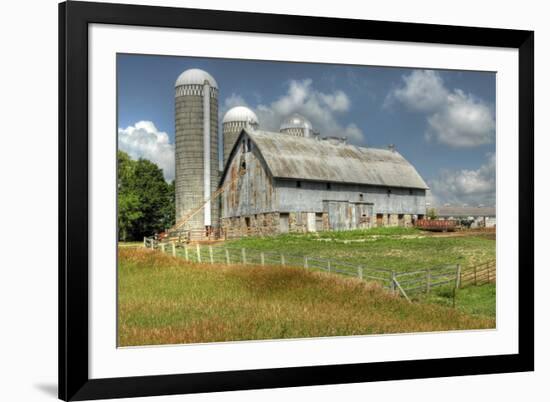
475,300
164,300
399,249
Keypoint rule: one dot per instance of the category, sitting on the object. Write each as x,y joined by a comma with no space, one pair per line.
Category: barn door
341,215
319,222
283,223
363,215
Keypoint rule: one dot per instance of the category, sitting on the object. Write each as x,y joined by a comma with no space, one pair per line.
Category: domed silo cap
240,114
296,121
195,76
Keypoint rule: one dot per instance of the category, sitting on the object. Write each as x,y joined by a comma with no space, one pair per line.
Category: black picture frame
74,381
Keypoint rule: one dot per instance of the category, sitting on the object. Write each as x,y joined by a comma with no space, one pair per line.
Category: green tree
128,213
432,214
145,199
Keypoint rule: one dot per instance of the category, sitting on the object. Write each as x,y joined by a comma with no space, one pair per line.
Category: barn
277,183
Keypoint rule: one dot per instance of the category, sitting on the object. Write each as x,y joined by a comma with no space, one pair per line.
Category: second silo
297,126
197,174
234,121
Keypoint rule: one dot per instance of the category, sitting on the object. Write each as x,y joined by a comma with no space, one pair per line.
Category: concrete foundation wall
258,224
270,223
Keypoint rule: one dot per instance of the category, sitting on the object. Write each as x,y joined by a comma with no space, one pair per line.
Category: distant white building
479,216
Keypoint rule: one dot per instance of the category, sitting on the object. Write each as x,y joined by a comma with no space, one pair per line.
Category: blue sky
443,122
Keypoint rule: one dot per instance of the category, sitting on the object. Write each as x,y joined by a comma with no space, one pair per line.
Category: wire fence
408,284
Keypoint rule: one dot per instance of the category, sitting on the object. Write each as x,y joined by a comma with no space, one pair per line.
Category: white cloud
143,140
455,118
320,108
472,187
423,90
337,101
463,122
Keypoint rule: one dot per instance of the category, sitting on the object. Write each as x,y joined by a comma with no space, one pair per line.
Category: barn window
328,186
389,192
410,192
298,184
360,197
248,145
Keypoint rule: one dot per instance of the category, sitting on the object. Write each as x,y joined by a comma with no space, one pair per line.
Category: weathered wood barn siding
310,196
250,201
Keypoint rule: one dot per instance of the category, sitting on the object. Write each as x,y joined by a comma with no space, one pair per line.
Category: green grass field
164,300
400,249
475,300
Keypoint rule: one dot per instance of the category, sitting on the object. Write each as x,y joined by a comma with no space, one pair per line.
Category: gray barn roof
299,158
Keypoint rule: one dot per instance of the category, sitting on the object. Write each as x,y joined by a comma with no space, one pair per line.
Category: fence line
479,274
404,283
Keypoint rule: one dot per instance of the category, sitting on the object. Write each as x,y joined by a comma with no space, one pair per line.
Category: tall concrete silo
197,173
234,121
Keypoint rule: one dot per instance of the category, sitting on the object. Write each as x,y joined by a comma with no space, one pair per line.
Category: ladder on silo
214,196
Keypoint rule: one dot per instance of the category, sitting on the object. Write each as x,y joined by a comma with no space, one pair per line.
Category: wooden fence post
360,272
428,280
457,276
199,252
328,265
243,252
227,257
144,241
305,263
262,258
173,249
282,260
211,254
392,283
162,247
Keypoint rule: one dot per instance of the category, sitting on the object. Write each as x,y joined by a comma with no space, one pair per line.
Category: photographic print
253,201
275,200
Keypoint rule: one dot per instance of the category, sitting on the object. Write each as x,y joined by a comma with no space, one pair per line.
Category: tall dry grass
164,300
